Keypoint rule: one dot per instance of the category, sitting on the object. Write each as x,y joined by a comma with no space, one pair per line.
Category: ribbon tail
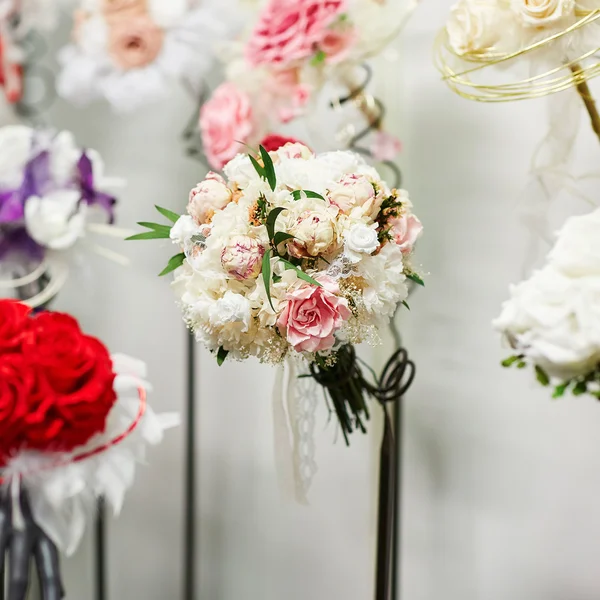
284,463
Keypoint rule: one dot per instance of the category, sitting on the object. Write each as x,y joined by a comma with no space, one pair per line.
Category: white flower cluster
553,319
130,51
313,253
483,26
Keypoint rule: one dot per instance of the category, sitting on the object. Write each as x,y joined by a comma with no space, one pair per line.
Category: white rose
577,250
360,239
183,230
474,25
539,13
57,220
231,308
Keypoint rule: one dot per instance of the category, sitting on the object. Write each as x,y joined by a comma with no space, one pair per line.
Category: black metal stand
189,549
100,552
396,547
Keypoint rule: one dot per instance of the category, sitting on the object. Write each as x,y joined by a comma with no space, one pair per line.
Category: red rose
14,320
274,141
21,385
79,370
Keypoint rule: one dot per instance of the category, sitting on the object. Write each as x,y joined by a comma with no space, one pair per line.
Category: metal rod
396,544
189,550
100,551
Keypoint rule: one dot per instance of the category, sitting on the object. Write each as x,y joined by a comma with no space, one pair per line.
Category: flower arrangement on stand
294,258
276,72
129,52
74,422
50,192
551,319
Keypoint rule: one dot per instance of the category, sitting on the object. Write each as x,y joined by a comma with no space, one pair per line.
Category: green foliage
542,376
174,263
266,273
169,214
414,277
299,272
221,355
269,169
297,194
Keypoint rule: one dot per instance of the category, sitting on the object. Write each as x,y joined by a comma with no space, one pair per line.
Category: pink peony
385,146
242,257
225,121
312,315
208,197
337,43
135,40
405,230
352,191
291,30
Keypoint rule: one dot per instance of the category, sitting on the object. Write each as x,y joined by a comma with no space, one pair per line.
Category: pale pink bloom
112,6
405,230
314,234
352,191
297,99
385,146
242,257
208,197
337,43
312,315
295,150
135,40
291,30
225,121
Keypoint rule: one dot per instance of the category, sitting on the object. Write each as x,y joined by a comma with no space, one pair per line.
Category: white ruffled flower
313,226
360,239
183,230
231,309
15,150
57,220
542,13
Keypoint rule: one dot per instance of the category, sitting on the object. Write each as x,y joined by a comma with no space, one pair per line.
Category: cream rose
314,233
474,25
542,13
208,197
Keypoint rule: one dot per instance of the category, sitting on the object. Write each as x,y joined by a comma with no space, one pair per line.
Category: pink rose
274,141
225,121
208,197
336,44
352,191
312,315
290,30
385,146
134,41
405,230
242,257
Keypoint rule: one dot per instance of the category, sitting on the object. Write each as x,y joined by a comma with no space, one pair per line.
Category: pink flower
274,141
385,146
112,6
352,191
290,30
242,257
295,150
208,197
225,121
336,44
134,41
312,315
405,230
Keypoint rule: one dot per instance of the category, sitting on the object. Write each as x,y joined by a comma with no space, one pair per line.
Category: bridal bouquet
50,190
552,319
74,421
293,256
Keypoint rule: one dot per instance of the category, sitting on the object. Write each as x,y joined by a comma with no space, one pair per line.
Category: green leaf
169,214
257,167
281,237
559,390
318,58
276,278
148,235
174,263
405,303
221,355
297,194
510,361
299,272
580,388
414,277
542,376
156,227
266,273
272,217
269,168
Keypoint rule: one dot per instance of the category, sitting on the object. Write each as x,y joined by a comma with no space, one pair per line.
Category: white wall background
500,482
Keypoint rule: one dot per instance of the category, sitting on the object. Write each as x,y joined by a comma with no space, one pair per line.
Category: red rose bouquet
73,422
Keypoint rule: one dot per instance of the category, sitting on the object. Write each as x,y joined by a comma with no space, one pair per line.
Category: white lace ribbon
294,407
